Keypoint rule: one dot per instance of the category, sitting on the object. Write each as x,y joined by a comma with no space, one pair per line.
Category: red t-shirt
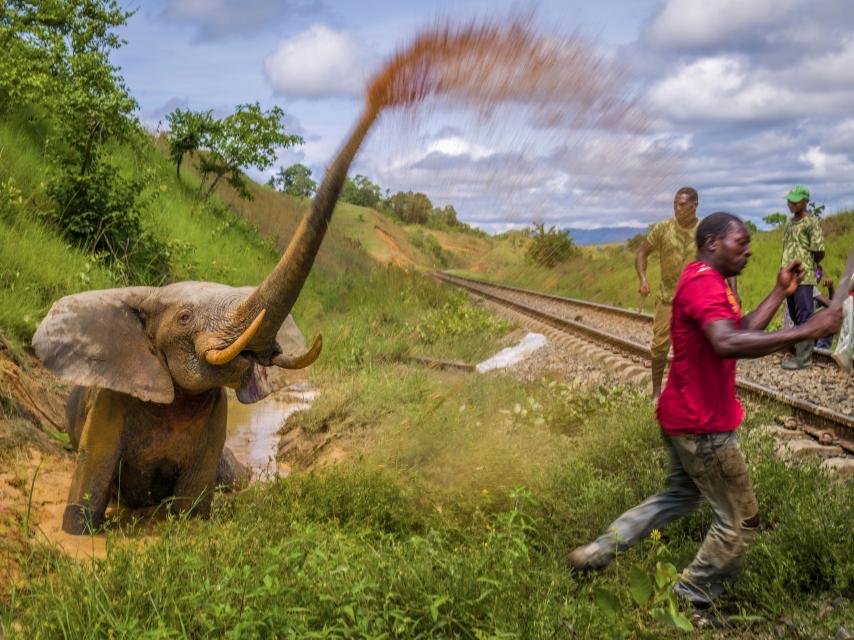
700,393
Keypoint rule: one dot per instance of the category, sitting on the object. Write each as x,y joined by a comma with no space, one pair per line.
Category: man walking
803,241
699,411
673,239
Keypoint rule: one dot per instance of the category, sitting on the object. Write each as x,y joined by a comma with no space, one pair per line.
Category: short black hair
715,225
691,192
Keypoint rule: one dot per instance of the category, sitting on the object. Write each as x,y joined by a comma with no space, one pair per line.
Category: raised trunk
279,291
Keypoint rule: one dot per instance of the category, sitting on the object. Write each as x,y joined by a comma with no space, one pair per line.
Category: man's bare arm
730,342
788,280
640,266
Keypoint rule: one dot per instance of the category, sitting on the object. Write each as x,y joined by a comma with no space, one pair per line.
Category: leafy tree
444,217
295,181
247,138
361,191
188,132
751,226
816,209
550,247
411,208
775,219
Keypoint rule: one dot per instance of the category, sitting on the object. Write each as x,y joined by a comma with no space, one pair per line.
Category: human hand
790,277
644,288
825,323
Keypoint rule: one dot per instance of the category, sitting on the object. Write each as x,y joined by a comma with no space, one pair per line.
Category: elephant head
194,336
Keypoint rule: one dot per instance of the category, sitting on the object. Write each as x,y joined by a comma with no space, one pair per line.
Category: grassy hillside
459,495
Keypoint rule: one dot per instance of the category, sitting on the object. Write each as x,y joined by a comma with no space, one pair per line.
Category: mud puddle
253,429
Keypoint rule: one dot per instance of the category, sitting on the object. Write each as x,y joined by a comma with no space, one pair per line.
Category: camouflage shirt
800,240
676,248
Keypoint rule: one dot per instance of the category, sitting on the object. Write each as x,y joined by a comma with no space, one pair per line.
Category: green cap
799,192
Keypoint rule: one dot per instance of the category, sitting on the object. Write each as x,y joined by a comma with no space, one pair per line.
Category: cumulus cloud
223,19
317,63
701,24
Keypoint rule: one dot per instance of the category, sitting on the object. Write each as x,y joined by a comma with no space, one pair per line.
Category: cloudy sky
743,99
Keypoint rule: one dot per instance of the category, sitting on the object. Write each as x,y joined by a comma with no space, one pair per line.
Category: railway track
629,336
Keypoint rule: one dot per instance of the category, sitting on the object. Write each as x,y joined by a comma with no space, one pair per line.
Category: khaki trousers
660,346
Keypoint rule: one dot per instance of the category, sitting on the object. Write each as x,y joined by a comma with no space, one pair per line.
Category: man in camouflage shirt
802,240
674,241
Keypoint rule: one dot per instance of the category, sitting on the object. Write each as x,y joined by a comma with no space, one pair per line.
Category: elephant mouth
254,384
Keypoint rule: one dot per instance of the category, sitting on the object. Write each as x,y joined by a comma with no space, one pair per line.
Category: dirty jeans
711,466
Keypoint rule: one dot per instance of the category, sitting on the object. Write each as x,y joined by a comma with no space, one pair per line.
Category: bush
550,248
101,212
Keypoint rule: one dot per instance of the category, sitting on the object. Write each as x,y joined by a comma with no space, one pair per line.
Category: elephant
150,365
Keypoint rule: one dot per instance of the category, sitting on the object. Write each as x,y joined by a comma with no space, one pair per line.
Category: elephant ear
98,339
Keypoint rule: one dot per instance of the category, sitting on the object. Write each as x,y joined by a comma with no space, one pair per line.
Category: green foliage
816,209
751,226
249,137
188,130
775,219
456,317
411,208
295,181
361,191
431,246
550,247
101,211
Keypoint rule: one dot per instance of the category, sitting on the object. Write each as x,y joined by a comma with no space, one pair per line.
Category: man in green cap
673,239
802,240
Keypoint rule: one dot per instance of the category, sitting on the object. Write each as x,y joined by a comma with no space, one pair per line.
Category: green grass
384,547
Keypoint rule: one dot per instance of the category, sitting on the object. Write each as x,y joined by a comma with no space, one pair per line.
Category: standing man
803,241
674,241
699,411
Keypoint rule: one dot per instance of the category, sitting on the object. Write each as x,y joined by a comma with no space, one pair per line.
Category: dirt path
398,257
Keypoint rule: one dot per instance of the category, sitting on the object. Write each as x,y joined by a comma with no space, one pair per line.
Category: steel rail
821,355
823,416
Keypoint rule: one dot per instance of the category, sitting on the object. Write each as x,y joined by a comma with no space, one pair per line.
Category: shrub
550,248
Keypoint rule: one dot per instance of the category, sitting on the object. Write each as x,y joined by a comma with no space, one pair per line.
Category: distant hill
604,235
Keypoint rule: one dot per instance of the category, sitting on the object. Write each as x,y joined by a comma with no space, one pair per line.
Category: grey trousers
709,466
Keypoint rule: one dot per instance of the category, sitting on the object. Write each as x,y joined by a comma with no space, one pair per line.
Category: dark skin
799,212
728,255
685,212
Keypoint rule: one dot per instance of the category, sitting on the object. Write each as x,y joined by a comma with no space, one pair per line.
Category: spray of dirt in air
568,95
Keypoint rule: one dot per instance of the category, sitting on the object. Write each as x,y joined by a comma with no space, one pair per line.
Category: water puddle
511,355
253,429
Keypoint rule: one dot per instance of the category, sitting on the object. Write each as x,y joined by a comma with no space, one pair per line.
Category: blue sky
746,96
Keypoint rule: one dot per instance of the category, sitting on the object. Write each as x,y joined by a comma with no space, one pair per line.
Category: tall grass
381,548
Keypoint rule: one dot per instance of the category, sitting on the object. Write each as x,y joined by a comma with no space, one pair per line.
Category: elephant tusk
224,356
302,360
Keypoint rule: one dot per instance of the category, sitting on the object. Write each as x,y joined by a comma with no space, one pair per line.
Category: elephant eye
185,317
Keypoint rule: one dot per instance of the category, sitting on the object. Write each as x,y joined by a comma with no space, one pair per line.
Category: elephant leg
98,454
196,481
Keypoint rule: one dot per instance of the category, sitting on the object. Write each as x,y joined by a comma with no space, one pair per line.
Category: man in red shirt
699,411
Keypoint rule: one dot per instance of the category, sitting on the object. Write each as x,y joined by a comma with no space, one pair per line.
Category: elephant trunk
280,289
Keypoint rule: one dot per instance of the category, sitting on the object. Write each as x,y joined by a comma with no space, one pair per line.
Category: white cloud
710,23
219,19
317,63
720,88
459,146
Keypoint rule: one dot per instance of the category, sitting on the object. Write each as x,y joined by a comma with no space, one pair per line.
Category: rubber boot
803,356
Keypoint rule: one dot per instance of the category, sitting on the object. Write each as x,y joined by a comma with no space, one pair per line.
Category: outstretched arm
640,266
788,280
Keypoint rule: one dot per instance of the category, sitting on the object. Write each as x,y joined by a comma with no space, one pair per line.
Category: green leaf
672,618
640,586
607,602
